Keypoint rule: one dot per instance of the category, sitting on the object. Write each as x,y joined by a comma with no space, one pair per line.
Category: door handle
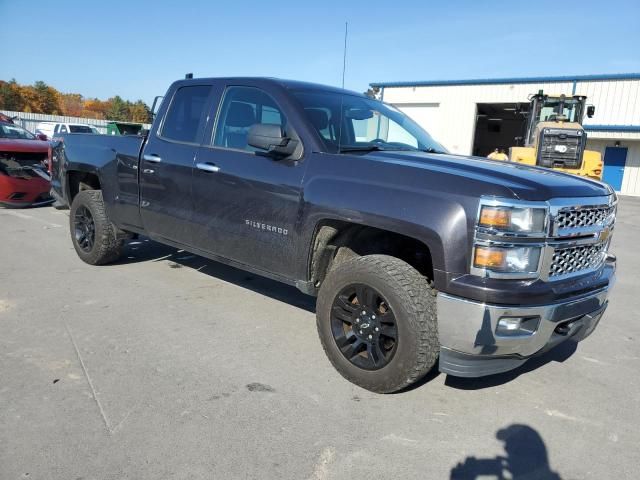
208,167
152,157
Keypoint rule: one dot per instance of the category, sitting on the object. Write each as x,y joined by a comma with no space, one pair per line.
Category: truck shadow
144,249
526,458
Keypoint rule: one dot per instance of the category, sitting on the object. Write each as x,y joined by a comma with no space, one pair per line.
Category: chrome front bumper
473,345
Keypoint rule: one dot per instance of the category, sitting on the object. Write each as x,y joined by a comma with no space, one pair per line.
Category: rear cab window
186,114
80,129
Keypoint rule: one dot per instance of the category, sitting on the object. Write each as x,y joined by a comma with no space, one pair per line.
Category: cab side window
241,108
186,114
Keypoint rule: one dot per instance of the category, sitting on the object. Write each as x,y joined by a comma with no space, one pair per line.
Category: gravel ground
170,366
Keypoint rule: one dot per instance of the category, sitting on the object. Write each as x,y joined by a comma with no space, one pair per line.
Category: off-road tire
107,247
413,302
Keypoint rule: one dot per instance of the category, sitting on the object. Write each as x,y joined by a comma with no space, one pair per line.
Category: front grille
576,259
561,148
24,158
21,164
583,217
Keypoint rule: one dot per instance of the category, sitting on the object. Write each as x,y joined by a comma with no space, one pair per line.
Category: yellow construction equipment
555,137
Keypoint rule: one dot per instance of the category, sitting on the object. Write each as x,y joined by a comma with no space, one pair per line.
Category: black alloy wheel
364,327
85,228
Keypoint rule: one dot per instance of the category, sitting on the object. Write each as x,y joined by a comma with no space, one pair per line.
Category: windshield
571,109
350,123
8,130
80,129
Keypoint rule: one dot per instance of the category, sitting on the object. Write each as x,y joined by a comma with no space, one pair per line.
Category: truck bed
94,153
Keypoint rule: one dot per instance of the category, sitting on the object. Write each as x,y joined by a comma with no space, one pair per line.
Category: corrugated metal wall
631,178
449,113
30,120
617,102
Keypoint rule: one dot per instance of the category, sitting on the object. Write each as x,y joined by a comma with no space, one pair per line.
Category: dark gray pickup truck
418,257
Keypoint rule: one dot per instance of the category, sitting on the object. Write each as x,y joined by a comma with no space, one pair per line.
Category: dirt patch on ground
5,305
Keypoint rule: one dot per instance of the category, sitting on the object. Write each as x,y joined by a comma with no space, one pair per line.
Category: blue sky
136,48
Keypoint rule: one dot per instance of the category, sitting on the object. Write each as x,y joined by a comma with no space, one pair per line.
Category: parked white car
51,129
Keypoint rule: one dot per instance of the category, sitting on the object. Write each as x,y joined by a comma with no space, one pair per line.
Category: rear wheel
376,318
93,235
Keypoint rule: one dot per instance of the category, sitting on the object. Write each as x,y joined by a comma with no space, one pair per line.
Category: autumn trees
41,98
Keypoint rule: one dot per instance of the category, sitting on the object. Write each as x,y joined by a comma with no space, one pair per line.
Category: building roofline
495,81
612,128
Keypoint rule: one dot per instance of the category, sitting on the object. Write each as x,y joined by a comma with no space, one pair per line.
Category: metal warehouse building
472,117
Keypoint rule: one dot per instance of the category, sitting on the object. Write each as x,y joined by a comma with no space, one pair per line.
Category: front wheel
93,235
376,318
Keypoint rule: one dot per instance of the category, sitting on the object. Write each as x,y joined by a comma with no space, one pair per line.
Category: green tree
118,109
139,112
72,104
47,99
94,108
39,98
10,96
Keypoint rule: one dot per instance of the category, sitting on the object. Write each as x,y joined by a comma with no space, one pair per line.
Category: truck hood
31,146
525,182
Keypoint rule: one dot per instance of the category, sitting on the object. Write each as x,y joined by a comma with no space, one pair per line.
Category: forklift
554,136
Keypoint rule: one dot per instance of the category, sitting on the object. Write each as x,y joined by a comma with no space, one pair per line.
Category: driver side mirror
41,136
157,102
270,137
591,110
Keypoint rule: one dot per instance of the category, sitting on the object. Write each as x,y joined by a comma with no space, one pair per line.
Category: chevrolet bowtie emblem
604,234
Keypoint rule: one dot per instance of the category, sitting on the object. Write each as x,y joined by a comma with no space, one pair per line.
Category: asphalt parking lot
170,366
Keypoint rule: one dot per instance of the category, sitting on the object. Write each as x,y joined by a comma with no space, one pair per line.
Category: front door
246,203
615,159
167,162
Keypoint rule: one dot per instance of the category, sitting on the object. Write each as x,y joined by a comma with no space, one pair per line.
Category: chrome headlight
507,259
513,219
509,238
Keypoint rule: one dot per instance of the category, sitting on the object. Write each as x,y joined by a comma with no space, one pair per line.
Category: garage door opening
499,125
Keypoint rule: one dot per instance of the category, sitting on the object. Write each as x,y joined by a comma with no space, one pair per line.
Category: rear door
246,204
167,161
615,159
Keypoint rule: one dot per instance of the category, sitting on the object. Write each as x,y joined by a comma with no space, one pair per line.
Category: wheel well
79,181
337,241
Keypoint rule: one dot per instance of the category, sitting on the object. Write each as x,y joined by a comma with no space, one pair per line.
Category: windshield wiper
376,148
362,148
431,150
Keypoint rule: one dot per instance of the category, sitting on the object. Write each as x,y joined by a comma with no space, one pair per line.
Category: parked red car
24,178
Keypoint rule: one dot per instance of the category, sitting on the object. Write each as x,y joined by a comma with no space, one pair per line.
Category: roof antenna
189,76
344,57
344,67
